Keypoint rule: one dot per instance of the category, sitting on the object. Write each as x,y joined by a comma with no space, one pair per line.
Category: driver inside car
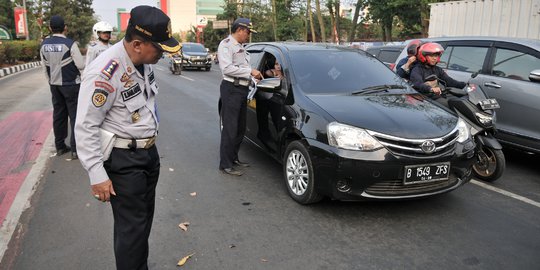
429,54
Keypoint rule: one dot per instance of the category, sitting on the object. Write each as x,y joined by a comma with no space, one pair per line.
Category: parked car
195,55
509,71
387,54
343,125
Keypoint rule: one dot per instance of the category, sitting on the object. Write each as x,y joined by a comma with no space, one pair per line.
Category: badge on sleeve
99,97
110,69
104,85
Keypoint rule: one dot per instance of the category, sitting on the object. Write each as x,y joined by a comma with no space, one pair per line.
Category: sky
106,9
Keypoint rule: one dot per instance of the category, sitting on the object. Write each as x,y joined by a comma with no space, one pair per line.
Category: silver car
509,70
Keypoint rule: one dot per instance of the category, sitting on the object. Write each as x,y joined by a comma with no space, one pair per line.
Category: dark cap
154,25
245,22
57,22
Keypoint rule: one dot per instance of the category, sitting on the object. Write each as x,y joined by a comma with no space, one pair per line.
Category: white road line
187,78
506,193
159,68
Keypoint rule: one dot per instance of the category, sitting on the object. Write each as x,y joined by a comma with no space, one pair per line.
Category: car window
389,56
462,58
514,64
333,71
254,58
193,48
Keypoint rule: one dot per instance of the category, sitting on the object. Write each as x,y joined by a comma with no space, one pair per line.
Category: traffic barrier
14,69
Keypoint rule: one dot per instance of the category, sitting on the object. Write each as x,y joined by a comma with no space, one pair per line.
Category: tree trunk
352,32
321,21
337,28
332,20
312,26
274,19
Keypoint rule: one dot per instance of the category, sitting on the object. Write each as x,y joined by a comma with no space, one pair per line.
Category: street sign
20,22
202,21
222,24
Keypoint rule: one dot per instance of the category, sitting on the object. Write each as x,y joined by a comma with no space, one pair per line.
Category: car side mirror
534,76
269,85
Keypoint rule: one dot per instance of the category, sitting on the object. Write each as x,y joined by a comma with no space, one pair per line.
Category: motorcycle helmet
428,49
102,26
412,47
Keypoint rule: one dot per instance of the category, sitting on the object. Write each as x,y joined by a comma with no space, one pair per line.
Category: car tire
490,164
299,175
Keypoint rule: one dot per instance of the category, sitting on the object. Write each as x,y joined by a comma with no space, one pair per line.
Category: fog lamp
343,185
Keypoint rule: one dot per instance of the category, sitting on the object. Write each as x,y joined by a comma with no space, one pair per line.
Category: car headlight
484,119
351,138
464,133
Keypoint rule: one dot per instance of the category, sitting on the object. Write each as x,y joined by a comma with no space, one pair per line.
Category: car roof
304,46
534,43
388,47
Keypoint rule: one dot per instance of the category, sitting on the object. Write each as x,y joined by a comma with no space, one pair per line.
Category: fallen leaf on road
193,194
183,226
184,260
171,170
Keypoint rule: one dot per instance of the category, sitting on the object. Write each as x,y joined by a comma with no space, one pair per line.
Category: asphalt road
249,222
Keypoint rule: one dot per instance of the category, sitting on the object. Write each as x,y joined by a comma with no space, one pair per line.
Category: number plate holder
415,174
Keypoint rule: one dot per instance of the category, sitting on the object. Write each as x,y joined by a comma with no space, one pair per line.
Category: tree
310,17
321,21
78,15
352,32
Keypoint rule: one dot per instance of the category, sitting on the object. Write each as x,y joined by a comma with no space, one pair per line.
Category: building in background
186,14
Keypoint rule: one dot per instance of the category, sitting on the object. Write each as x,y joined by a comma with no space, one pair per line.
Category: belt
141,143
242,82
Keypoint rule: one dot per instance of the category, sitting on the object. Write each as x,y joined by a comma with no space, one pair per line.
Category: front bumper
378,175
203,63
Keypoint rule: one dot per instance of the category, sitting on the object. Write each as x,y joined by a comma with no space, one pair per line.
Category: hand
103,190
256,74
436,90
411,60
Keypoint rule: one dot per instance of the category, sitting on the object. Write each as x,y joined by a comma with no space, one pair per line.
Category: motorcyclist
102,32
405,65
429,54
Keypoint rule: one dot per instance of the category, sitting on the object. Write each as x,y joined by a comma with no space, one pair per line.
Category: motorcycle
472,105
176,64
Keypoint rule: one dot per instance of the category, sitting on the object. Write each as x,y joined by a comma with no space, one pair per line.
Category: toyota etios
345,126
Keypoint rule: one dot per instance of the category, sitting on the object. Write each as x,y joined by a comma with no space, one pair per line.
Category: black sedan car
345,126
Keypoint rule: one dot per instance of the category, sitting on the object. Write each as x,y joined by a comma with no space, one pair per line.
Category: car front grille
396,188
413,147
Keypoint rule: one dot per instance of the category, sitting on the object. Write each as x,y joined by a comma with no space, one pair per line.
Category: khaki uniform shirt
112,91
233,59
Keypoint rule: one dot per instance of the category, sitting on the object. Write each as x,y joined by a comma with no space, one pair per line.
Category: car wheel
299,175
490,164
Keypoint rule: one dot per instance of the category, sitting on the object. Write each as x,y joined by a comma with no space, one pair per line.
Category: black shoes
240,163
232,171
62,151
74,155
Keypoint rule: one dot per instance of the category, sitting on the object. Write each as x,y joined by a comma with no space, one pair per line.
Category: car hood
195,54
401,115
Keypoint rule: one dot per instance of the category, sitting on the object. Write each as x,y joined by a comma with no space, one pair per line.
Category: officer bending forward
118,96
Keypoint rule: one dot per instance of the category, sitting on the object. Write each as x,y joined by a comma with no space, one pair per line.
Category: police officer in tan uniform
118,96
237,74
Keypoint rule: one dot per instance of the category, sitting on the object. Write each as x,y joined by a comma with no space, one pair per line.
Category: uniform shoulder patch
227,40
104,85
99,97
110,69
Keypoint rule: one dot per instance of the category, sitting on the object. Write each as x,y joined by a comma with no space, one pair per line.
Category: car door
255,54
507,80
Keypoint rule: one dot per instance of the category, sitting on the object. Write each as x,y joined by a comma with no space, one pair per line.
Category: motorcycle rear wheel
490,164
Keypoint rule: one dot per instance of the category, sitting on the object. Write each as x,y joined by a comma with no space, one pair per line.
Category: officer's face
148,52
106,36
244,35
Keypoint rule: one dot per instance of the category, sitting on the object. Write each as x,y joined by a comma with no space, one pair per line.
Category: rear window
336,71
463,58
389,56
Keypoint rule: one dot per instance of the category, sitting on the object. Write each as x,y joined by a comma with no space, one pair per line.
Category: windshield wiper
378,88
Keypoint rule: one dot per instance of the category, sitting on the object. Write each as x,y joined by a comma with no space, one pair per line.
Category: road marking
187,78
159,68
506,193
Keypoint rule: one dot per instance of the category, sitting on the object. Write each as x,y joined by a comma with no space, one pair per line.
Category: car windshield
193,48
340,71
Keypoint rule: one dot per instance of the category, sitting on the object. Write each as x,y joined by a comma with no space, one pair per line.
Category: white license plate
426,173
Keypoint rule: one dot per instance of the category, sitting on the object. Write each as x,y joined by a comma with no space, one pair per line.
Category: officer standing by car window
62,61
118,96
237,74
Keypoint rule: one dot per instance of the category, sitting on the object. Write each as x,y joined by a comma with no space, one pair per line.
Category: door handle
492,84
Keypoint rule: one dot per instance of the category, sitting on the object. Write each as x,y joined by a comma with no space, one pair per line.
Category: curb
14,69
